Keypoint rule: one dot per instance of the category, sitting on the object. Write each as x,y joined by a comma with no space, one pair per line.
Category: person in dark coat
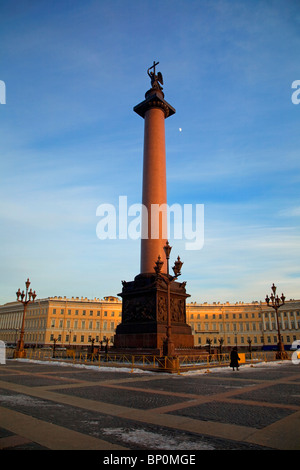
234,358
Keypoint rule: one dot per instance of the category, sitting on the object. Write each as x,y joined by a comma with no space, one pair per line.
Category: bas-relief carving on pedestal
145,300
138,309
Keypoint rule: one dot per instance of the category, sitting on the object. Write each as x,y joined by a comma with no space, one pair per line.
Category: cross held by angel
155,79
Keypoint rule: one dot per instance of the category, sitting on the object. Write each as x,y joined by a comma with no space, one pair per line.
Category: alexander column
154,110
153,300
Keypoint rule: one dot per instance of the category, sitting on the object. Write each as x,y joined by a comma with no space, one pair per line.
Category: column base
144,315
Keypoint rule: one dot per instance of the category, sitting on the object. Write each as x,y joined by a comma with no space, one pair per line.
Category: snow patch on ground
151,440
24,400
86,366
214,370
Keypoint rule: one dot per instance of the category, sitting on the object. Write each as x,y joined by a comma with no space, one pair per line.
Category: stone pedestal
144,315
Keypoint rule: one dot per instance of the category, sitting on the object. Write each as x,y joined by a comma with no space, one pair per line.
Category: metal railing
179,363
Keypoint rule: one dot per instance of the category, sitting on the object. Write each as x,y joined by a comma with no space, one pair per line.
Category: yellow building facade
243,324
75,322
71,322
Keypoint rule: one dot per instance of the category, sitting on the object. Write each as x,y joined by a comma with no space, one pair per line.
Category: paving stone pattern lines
181,411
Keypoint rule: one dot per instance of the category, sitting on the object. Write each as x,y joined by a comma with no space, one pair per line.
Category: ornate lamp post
25,298
275,302
54,347
249,341
169,348
221,341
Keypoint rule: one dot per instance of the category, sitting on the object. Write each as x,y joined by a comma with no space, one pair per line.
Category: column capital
154,99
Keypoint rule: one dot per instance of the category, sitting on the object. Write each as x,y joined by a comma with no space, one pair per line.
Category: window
83,312
61,311
69,312
91,325
83,324
91,313
54,311
82,338
76,312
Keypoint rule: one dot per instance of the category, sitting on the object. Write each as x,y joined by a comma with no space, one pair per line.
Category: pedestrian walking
234,358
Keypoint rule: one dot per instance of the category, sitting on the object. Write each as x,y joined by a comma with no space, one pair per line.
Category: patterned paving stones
47,406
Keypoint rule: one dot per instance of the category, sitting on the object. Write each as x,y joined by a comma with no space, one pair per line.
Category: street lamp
249,341
54,347
275,302
169,347
25,298
221,341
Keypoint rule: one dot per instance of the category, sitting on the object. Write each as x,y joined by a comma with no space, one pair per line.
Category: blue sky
70,141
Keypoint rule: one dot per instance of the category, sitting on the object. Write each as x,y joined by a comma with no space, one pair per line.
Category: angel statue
155,79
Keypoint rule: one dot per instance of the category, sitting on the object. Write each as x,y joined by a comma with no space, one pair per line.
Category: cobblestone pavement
50,406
